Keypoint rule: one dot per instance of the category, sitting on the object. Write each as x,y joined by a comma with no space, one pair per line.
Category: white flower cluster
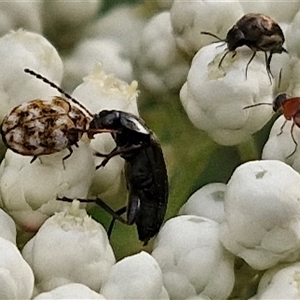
226,235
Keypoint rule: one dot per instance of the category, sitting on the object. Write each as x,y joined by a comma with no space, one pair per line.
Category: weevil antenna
52,84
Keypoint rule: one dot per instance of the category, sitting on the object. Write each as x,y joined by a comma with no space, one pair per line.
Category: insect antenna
257,104
52,84
213,35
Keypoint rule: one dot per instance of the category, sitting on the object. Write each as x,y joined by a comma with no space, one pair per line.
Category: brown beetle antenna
213,35
257,104
52,84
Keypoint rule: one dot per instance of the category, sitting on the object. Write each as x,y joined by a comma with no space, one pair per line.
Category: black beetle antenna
213,35
52,84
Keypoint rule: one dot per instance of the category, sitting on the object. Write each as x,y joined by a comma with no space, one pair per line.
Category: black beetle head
235,38
277,103
106,119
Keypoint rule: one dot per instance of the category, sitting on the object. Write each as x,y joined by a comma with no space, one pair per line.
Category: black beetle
145,171
257,31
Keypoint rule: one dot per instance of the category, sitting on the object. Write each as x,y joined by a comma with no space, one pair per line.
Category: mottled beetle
41,127
145,171
257,31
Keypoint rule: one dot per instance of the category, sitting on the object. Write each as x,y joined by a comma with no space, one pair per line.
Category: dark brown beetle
257,31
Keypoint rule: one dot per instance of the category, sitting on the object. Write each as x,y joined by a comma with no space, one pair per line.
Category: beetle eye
108,118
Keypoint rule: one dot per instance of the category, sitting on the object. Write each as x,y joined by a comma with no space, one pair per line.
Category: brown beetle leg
252,57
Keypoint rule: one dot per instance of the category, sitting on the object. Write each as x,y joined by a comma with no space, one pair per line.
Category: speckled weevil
42,127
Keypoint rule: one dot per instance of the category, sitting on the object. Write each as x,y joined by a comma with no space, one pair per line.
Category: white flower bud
135,277
20,14
280,282
262,213
207,202
70,291
191,17
8,227
107,51
292,34
192,258
280,145
161,67
29,190
16,277
22,49
123,24
106,92
215,97
69,247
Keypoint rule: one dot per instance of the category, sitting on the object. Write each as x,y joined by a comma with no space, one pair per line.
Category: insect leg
268,67
112,223
281,128
115,214
118,151
67,156
252,57
33,159
221,60
294,140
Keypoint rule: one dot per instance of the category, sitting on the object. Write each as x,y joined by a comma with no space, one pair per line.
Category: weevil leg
248,63
33,159
294,140
67,156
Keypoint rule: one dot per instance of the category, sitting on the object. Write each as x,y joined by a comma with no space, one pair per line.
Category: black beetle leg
115,214
112,223
118,151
